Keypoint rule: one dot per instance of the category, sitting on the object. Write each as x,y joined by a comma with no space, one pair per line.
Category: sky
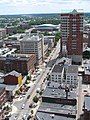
42,6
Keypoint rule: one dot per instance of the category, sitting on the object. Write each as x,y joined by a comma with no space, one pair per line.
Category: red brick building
88,39
13,78
86,77
20,62
72,34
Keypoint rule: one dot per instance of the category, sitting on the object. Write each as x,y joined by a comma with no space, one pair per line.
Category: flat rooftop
57,108
32,37
10,87
58,68
72,69
55,90
47,116
87,103
17,35
17,57
67,61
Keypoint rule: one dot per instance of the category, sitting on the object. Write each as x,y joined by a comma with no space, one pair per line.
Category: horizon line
34,13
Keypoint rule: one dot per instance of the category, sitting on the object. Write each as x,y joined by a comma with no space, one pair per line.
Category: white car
23,106
24,116
15,118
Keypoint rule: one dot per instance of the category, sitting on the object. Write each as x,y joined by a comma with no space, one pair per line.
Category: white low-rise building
57,73
72,75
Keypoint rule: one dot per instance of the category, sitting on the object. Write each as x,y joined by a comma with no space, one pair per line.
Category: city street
19,113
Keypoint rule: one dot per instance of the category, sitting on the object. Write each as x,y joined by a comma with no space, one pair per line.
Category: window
56,76
68,78
59,78
59,75
68,81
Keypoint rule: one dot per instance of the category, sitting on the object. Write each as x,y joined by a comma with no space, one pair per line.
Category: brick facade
72,35
20,64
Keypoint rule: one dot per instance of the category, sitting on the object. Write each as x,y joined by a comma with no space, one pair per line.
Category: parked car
15,118
28,118
28,96
34,79
85,90
30,106
23,106
34,105
24,116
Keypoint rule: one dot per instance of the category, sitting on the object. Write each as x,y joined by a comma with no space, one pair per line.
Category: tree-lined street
22,110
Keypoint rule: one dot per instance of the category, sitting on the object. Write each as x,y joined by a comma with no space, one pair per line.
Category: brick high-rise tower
72,34
88,39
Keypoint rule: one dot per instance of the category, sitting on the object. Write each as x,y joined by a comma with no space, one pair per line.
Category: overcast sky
42,6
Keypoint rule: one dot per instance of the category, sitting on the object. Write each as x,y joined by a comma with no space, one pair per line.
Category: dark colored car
28,96
31,105
28,118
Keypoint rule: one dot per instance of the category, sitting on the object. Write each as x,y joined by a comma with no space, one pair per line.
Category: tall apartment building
88,39
33,43
72,34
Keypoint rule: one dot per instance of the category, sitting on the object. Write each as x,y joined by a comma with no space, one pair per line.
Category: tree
40,92
7,108
35,99
32,112
28,77
17,92
46,33
57,36
86,54
20,30
48,78
27,82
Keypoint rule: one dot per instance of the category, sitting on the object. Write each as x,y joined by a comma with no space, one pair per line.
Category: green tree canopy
86,54
57,36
